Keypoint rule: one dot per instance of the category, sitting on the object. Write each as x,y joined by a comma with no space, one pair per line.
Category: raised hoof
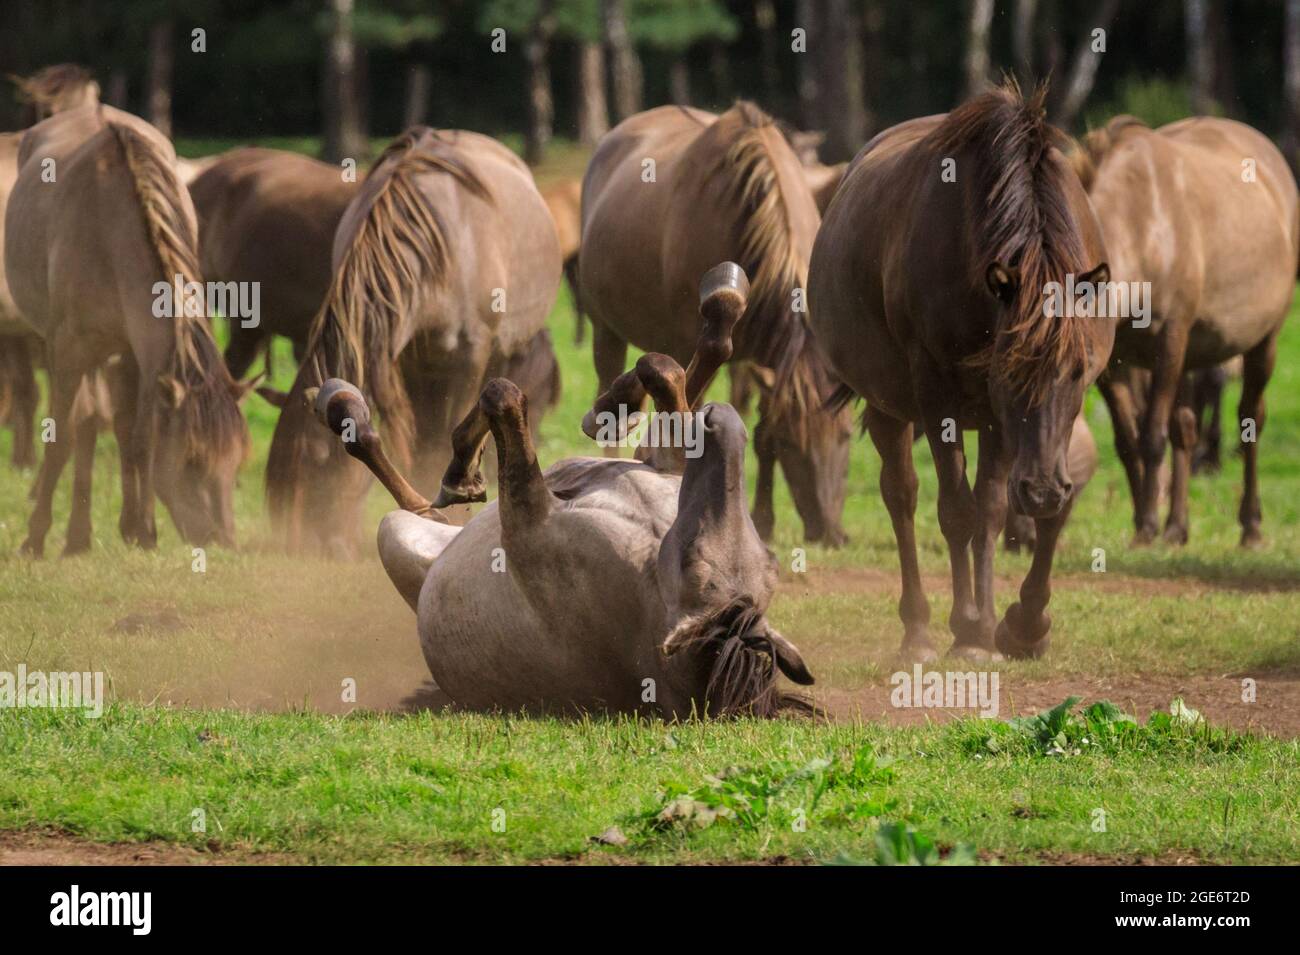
473,491
974,652
1175,536
1011,640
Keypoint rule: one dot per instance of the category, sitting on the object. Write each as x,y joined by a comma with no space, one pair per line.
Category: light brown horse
446,264
269,217
564,200
97,225
927,290
1205,210
668,193
48,91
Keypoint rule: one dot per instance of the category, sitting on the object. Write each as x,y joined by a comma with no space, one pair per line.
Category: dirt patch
1275,710
866,580
46,847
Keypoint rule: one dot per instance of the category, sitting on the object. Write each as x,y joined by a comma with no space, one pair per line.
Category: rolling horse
927,288
446,264
671,191
1205,213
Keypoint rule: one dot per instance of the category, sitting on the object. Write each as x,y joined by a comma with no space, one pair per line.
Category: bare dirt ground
45,847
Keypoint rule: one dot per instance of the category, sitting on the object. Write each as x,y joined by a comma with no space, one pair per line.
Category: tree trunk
624,62
1083,73
416,112
1200,63
765,20
541,107
1291,82
344,135
679,81
162,55
1022,39
977,46
810,85
842,80
593,113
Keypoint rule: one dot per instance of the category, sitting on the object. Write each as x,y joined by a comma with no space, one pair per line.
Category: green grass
466,788
255,651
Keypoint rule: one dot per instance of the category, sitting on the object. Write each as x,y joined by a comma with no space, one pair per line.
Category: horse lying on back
621,585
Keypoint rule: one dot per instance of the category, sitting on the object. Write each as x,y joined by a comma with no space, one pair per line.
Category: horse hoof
764,524
472,491
1252,539
32,549
916,651
1175,536
1143,538
974,652
75,548
1010,638
834,538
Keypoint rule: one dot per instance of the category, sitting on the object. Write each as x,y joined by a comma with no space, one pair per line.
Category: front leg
991,516
764,515
1024,631
1165,380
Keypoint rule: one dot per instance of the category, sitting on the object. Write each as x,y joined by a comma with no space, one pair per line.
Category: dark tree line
347,70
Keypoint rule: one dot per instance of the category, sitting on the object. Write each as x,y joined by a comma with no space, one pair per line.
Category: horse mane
772,332
1022,220
1086,155
47,87
210,416
400,248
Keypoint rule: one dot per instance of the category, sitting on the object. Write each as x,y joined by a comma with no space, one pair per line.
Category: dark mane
1021,219
772,332
210,417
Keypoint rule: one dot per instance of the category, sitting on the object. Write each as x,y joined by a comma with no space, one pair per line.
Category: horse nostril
1067,488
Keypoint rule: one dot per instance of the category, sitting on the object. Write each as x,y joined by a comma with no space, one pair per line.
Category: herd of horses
914,278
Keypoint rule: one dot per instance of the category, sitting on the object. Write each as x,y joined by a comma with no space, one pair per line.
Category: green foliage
676,25
1153,99
900,844
1102,728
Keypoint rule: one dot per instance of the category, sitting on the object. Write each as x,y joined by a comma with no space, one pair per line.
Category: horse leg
143,442
1024,631
124,382
243,348
1256,371
990,517
1118,396
898,484
1208,396
957,517
1165,380
87,434
764,514
64,382
1182,432
26,399
524,498
463,481
610,353
579,319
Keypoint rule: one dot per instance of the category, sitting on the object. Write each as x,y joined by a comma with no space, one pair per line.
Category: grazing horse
630,586
668,193
446,264
1205,213
927,289
48,91
106,226
269,217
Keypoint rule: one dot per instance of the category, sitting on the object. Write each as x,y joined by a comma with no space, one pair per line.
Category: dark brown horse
1204,214
668,193
269,217
927,290
446,264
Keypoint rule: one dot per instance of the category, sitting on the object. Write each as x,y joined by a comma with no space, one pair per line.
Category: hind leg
26,399
1257,370
79,525
1182,434
65,379
764,515
1165,381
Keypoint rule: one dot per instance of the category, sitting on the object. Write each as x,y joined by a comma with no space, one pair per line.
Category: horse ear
239,389
1003,282
171,390
789,659
273,396
1098,276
